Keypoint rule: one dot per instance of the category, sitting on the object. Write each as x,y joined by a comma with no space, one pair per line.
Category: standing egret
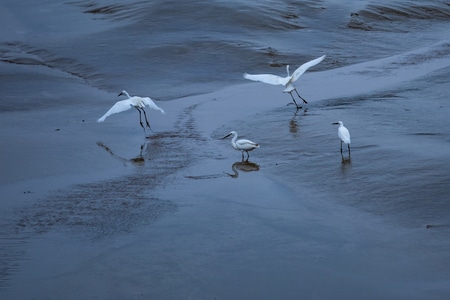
241,145
343,135
137,102
287,81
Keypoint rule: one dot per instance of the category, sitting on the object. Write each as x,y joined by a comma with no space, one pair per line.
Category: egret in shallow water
241,145
287,81
343,135
137,102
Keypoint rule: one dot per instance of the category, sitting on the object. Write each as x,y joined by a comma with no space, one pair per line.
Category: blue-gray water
170,49
398,177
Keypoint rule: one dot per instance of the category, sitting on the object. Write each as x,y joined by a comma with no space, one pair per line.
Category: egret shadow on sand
139,160
244,166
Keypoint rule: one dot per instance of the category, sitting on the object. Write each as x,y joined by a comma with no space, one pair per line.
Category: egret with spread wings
137,102
287,81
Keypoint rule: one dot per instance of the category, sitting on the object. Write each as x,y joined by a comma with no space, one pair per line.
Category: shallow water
169,49
161,217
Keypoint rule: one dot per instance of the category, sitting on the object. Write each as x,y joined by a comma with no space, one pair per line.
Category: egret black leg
348,145
140,117
298,107
248,155
145,115
341,147
304,101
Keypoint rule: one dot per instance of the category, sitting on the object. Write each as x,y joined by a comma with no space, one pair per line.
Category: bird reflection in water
135,160
244,166
346,164
293,124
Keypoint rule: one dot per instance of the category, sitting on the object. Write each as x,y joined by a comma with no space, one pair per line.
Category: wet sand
99,211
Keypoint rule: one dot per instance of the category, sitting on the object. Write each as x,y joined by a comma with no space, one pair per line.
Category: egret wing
120,106
267,78
149,102
302,69
246,144
344,135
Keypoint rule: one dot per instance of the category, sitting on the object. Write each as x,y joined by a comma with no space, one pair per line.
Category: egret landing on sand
343,135
137,102
241,145
287,81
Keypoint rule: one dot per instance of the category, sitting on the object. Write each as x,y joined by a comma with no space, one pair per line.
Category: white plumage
137,102
343,135
242,144
287,81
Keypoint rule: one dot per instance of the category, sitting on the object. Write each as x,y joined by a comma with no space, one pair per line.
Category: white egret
343,135
241,145
287,81
137,102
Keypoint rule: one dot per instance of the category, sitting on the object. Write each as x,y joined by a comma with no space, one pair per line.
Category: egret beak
120,94
226,136
335,123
